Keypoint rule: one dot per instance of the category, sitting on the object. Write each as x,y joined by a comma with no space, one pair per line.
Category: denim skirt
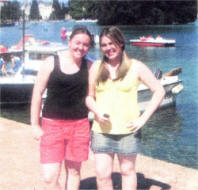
125,144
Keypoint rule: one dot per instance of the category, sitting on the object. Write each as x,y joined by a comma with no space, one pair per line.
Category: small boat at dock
6,23
172,85
16,88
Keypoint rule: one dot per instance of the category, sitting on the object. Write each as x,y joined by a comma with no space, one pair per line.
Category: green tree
56,13
186,12
84,9
10,11
75,9
64,11
34,11
59,11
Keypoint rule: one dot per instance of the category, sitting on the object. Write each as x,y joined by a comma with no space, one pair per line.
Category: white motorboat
173,86
35,55
17,88
86,21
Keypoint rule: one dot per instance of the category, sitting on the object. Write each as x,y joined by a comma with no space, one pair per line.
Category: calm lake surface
171,134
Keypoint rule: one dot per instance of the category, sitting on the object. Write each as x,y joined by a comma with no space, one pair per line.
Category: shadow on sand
143,183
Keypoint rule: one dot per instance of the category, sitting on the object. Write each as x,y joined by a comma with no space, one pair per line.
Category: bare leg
51,173
128,172
104,167
73,175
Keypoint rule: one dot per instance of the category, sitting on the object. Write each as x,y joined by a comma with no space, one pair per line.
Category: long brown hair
117,38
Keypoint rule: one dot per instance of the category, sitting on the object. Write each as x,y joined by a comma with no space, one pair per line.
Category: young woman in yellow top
112,97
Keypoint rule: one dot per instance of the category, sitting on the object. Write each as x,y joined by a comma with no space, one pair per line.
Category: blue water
171,134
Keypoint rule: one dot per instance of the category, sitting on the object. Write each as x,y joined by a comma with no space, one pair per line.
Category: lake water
171,134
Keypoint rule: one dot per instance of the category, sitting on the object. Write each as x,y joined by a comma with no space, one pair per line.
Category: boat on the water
86,21
6,23
16,88
172,85
153,42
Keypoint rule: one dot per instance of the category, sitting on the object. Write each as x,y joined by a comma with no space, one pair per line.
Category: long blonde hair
116,36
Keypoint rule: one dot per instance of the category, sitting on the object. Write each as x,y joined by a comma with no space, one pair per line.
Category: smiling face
79,45
110,49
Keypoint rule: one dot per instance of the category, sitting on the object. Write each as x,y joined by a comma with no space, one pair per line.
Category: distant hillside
140,12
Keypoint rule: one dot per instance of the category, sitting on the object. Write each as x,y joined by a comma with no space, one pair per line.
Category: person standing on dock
63,33
3,71
65,132
112,97
16,62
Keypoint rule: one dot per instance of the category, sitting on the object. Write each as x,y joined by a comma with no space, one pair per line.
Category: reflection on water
17,113
162,139
166,121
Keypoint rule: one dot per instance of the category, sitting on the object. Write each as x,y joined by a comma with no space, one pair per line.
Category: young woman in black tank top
64,135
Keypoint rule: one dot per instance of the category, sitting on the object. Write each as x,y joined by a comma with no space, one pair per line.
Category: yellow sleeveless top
119,99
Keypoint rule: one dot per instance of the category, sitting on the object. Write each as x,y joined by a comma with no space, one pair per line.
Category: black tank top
66,93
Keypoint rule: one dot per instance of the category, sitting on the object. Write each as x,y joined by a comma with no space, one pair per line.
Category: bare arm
4,68
38,90
155,86
13,62
90,99
145,75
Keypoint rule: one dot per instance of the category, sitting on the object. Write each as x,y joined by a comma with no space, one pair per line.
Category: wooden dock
20,168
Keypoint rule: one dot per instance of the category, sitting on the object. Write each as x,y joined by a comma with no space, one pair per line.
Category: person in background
3,71
65,131
113,98
16,63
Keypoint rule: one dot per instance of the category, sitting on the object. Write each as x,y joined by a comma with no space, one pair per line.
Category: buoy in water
63,33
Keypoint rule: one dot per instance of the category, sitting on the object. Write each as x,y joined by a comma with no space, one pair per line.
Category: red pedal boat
154,42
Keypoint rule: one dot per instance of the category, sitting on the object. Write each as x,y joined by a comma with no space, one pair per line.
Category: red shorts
64,140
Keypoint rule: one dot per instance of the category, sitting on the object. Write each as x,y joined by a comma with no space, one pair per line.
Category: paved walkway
20,168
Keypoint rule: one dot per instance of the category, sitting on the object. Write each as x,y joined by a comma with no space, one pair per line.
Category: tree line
126,12
113,12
